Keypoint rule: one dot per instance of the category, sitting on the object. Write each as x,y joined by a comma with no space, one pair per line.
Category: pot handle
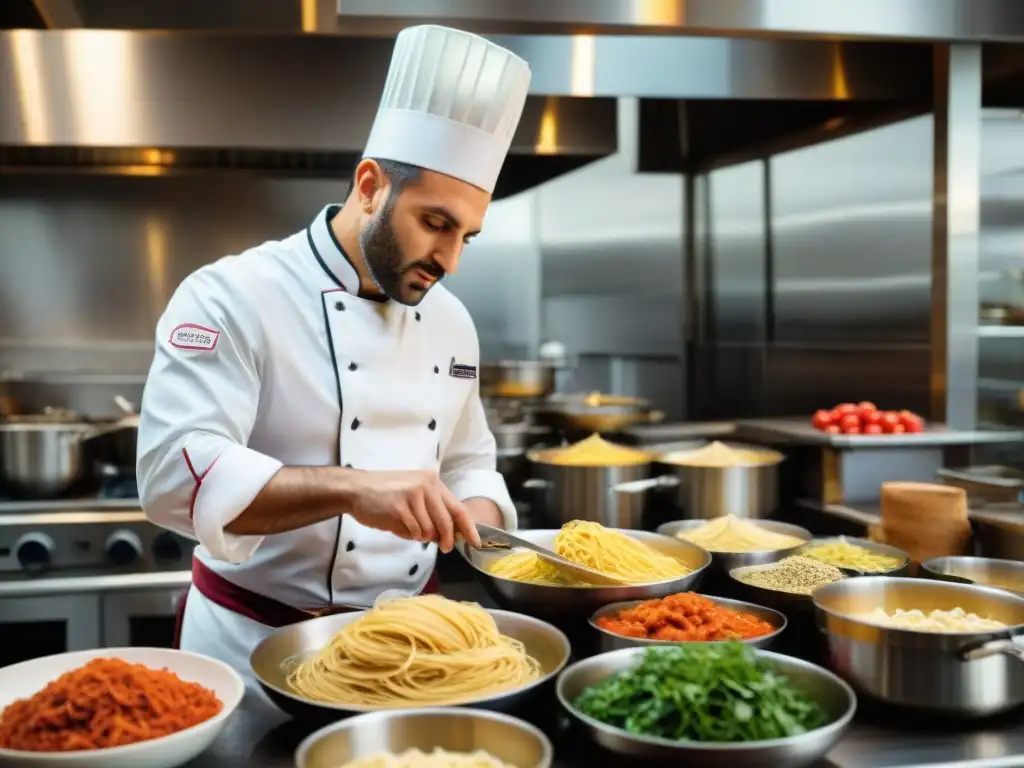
536,483
1008,647
642,486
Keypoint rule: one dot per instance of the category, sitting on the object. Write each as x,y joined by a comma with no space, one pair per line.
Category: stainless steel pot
48,455
587,493
44,460
970,674
517,379
704,493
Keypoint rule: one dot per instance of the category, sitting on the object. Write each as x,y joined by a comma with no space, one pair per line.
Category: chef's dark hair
399,174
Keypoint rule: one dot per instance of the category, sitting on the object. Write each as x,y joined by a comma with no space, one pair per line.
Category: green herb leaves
715,692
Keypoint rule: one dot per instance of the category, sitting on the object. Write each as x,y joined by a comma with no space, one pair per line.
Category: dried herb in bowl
707,693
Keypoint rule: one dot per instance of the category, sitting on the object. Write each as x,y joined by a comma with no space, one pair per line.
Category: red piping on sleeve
198,478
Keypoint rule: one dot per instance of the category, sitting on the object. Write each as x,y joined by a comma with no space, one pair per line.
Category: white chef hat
451,104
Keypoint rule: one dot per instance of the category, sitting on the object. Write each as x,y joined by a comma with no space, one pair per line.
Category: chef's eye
436,224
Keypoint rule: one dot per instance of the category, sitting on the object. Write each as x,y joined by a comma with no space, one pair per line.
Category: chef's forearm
294,498
485,511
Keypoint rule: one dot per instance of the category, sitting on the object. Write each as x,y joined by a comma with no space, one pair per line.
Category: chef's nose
449,260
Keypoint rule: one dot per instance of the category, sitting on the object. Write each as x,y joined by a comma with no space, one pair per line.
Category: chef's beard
387,263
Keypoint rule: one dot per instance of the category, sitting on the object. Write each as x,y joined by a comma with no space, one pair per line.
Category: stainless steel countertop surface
260,736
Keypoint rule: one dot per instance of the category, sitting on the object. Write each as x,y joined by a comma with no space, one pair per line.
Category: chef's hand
413,504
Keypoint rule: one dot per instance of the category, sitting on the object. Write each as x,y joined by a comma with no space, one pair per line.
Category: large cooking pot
971,674
587,493
704,493
52,454
596,412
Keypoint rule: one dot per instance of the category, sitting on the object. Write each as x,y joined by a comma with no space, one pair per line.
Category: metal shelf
1001,331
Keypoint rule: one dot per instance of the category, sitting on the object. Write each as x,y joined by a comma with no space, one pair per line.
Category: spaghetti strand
415,651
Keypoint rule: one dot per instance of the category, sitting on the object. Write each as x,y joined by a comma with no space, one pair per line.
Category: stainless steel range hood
141,103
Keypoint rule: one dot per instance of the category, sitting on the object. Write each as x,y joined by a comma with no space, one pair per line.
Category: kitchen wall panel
851,237
88,263
612,283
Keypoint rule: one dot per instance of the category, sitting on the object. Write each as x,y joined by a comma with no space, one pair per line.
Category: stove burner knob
123,548
33,551
166,548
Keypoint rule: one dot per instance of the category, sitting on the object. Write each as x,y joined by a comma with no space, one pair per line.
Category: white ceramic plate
20,681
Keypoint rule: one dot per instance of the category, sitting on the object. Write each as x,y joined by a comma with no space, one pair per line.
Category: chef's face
412,239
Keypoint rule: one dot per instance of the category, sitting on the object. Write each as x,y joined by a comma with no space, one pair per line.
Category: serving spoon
495,538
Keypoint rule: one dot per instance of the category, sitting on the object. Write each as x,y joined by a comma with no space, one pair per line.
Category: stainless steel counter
260,736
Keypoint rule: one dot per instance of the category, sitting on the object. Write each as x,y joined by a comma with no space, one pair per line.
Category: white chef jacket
269,358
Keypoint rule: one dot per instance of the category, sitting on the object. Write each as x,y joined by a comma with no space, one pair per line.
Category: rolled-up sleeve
195,471
468,466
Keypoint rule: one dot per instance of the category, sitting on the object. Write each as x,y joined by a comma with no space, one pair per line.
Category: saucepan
50,454
967,674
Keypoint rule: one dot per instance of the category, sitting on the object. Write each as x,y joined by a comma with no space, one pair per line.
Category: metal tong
495,538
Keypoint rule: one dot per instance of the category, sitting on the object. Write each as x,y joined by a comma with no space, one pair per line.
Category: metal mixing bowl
268,661
723,562
786,602
560,601
872,546
453,729
983,571
831,693
962,673
610,641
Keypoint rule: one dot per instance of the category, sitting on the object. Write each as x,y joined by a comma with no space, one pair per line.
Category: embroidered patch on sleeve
461,371
192,336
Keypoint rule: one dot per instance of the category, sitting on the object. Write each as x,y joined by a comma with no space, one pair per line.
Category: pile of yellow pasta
594,546
955,620
595,451
733,534
415,651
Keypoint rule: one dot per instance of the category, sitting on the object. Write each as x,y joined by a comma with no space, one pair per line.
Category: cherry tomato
822,419
852,430
872,418
899,429
889,422
865,407
872,429
911,422
848,422
833,429
845,408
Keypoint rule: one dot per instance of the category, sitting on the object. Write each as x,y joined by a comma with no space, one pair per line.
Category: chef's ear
370,185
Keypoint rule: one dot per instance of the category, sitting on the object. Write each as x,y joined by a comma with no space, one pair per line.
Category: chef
312,415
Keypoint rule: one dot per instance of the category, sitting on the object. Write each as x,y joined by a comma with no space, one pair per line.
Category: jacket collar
328,251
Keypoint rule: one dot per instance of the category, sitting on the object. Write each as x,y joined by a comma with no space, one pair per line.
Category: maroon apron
259,608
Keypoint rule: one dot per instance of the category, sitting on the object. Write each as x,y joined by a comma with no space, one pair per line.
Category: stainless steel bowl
610,641
872,546
831,693
453,729
723,562
786,602
560,601
268,661
964,673
983,571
